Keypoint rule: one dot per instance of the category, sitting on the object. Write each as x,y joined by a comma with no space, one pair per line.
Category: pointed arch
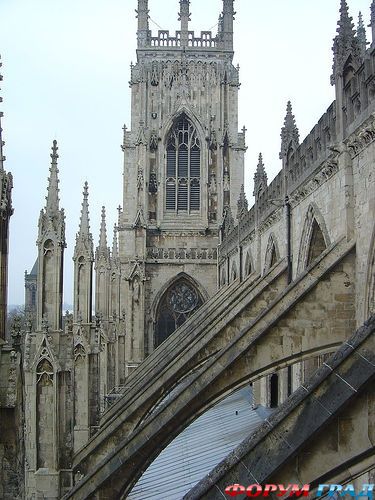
178,300
183,171
233,272
222,275
272,253
315,238
248,265
173,119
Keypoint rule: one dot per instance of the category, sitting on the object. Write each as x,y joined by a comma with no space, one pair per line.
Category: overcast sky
66,72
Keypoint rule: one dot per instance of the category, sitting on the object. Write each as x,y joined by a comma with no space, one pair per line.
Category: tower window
183,192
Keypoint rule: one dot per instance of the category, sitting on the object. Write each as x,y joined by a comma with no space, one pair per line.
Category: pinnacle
260,176
345,23
52,205
242,203
289,132
103,232
84,227
361,30
114,244
260,166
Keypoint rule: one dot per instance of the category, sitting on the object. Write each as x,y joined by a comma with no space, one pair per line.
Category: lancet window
183,179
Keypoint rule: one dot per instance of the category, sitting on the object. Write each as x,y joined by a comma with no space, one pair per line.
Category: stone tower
183,164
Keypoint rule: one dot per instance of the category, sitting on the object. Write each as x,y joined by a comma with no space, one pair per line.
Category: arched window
183,168
177,304
274,390
248,267
317,243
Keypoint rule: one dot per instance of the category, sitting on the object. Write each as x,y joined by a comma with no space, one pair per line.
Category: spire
114,244
84,225
143,26
345,44
289,133
52,205
184,17
260,177
361,33
242,204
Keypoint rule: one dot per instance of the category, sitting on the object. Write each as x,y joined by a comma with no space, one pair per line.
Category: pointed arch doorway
181,299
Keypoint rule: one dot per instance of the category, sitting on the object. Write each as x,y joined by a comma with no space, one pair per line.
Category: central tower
183,166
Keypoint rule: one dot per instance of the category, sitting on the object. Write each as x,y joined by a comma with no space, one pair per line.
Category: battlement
165,39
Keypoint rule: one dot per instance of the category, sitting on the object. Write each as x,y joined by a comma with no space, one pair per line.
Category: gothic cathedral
183,169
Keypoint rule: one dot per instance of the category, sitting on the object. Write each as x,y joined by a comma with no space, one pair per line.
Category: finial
289,133
52,205
260,177
361,33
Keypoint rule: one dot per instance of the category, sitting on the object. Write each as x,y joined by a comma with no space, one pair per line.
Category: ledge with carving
155,253
362,137
328,170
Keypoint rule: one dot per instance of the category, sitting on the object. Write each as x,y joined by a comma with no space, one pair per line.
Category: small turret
143,32
184,17
227,23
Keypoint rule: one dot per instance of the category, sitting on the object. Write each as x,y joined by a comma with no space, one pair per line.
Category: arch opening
177,304
317,243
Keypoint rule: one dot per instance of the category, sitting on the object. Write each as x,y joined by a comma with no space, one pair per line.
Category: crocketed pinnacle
346,44
103,233
345,25
289,132
361,32
52,199
84,225
114,244
242,204
260,176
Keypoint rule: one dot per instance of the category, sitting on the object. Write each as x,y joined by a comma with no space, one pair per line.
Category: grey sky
66,72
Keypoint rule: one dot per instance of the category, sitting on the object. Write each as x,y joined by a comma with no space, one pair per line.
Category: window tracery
178,303
183,170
